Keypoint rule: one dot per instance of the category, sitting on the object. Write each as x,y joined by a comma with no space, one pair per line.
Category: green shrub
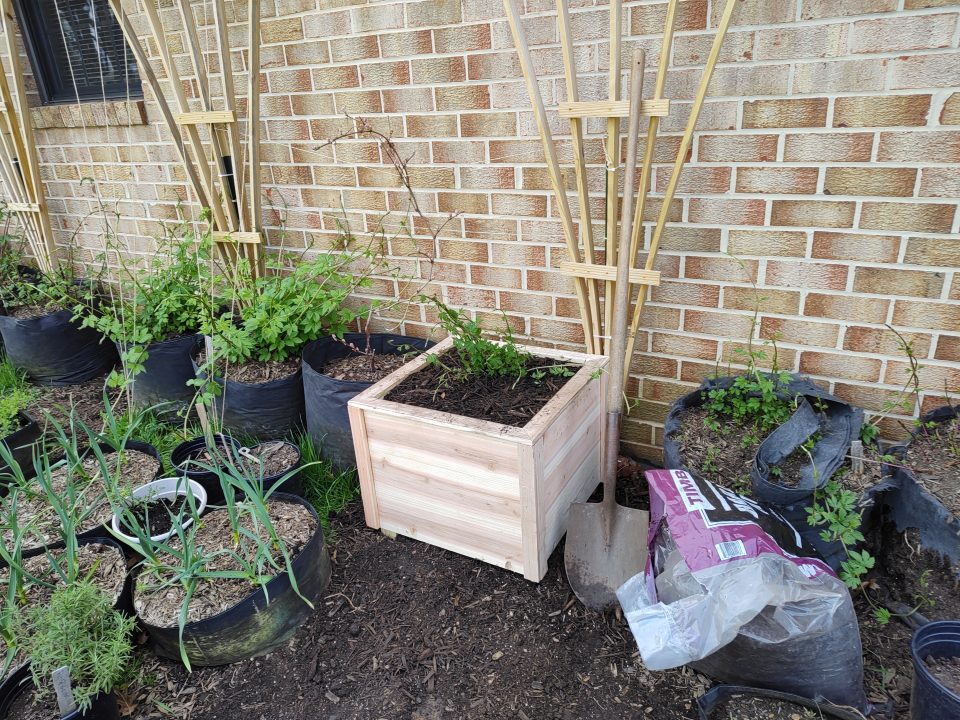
79,629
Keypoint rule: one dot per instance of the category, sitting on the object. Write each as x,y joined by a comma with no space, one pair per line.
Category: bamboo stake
173,75
679,163
553,165
583,193
253,127
230,102
200,71
25,142
613,162
146,72
658,88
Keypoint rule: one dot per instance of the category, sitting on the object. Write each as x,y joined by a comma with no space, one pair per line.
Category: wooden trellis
19,163
588,275
222,178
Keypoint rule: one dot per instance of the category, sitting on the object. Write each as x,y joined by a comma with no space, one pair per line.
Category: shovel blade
596,566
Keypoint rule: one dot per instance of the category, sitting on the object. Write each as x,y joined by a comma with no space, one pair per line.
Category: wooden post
253,128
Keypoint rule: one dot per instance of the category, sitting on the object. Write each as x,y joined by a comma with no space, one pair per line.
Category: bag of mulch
732,589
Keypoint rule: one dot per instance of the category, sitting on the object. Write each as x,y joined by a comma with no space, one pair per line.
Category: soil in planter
26,707
160,605
501,400
136,468
253,371
946,671
156,516
28,312
275,458
934,458
86,399
104,564
744,707
724,458
364,368
909,574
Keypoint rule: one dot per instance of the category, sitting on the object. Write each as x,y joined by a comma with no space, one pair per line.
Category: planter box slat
497,493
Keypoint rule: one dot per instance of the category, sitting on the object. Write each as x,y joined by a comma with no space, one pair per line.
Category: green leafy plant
908,400
79,629
479,356
169,297
835,508
16,394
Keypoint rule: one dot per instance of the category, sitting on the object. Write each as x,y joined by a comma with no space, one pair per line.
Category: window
76,48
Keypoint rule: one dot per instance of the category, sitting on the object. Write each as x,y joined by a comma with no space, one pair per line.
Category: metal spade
606,542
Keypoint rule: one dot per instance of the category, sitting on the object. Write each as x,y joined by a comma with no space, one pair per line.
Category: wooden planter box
493,492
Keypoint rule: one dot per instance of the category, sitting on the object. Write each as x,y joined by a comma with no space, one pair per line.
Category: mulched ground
254,371
413,632
504,400
724,458
947,671
86,398
742,707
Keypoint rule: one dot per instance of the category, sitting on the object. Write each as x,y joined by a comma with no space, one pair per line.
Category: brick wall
826,171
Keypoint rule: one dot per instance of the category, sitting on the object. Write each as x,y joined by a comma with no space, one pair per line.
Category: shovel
606,542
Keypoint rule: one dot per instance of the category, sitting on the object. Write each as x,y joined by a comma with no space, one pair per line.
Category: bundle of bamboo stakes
19,163
588,275
223,171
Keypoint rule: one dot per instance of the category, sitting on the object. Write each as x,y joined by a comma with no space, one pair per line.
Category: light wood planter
493,492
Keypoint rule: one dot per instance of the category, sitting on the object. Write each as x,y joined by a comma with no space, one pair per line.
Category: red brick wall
827,161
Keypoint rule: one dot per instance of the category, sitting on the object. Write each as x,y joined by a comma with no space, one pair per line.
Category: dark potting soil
503,400
745,707
27,707
156,517
364,368
275,458
413,632
947,671
934,458
909,574
723,457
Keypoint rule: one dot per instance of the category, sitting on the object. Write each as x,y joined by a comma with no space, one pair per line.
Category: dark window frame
46,70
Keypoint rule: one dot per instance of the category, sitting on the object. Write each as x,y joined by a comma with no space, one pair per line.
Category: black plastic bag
265,411
55,350
911,505
326,397
167,370
22,444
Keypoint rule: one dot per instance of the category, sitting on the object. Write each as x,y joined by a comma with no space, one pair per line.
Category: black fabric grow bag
715,698
55,350
21,445
326,398
838,423
124,601
103,707
163,381
254,626
210,481
264,411
910,505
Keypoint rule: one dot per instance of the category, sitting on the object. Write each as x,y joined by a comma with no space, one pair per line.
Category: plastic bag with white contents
732,589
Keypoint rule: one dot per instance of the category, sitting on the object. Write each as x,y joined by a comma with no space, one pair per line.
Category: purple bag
732,588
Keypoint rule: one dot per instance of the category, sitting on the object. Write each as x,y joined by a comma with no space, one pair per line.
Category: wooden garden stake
583,193
553,166
679,163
